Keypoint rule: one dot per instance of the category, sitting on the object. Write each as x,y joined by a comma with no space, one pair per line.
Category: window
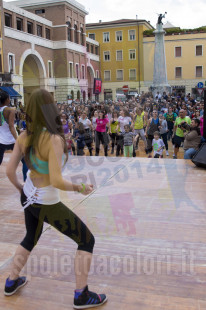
107,75
96,50
8,20
19,24
75,34
118,36
83,72
119,75
199,71
178,51
97,74
48,35
39,31
132,54
106,37
69,32
132,74
92,36
131,35
178,72
82,36
40,11
92,49
87,48
71,70
119,55
11,63
30,27
198,50
77,71
107,56
50,71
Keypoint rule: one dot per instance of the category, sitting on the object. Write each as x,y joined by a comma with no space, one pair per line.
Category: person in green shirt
178,133
113,129
139,126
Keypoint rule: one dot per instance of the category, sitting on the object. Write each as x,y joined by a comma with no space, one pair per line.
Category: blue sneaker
88,299
12,286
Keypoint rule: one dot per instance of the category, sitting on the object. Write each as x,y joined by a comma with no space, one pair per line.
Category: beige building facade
185,59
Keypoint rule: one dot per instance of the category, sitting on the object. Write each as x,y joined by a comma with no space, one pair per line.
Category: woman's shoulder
22,138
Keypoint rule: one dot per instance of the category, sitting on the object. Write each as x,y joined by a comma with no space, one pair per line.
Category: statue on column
160,18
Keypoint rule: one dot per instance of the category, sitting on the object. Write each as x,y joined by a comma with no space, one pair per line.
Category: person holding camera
192,138
178,133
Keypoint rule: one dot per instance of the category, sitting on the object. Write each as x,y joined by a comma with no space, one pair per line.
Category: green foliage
170,31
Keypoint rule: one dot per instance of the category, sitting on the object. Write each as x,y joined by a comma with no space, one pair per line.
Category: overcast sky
181,13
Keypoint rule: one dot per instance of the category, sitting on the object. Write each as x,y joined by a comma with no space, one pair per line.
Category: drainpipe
139,58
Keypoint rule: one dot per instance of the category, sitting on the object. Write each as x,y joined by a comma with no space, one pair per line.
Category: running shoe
89,299
12,286
167,153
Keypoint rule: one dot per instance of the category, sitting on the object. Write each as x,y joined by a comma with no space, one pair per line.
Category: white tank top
6,136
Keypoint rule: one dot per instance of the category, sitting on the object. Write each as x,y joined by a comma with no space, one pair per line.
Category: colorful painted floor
149,220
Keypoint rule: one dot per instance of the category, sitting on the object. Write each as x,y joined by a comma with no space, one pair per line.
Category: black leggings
61,218
101,137
10,147
4,148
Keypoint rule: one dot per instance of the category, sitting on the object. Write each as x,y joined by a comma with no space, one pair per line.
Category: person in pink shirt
101,133
201,125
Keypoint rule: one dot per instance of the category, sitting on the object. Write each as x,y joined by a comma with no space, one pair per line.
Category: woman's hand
86,189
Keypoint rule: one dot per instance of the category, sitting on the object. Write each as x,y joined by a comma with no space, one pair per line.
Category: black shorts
178,141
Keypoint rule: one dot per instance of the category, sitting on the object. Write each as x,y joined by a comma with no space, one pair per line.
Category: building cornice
88,40
26,14
43,3
35,40
117,25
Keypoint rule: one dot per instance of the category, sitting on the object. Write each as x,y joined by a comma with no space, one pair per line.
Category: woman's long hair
41,112
3,97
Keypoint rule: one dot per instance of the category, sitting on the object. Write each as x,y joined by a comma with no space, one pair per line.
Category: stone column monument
160,83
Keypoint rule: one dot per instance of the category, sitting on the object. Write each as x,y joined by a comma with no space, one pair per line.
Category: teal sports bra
39,165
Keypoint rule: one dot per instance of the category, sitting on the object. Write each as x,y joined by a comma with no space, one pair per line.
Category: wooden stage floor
149,220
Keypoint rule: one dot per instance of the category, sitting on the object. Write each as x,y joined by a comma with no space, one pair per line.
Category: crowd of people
119,126
50,131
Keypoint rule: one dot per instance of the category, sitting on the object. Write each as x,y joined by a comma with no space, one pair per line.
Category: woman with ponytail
45,150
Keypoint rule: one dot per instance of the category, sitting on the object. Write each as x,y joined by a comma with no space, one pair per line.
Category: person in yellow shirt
139,125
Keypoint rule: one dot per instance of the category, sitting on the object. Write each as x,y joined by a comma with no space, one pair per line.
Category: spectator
178,134
101,134
158,145
152,126
163,131
192,139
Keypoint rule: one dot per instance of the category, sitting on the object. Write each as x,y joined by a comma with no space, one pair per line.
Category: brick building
45,45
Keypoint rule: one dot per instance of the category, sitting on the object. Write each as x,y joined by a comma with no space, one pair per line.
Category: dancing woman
8,134
44,147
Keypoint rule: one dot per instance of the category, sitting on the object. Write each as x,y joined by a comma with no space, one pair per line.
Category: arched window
69,32
78,94
82,36
72,93
75,34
